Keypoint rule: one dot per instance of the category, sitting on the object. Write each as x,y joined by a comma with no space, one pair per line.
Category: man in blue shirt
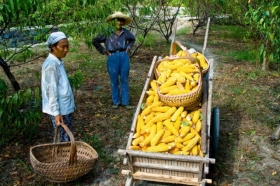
117,46
57,95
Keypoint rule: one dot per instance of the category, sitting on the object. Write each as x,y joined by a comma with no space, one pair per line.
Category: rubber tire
215,132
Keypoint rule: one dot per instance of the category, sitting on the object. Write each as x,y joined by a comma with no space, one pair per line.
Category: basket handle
173,50
73,150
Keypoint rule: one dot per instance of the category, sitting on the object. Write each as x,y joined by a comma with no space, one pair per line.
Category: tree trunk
265,65
7,71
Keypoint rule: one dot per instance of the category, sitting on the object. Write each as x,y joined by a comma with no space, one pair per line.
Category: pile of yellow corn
161,128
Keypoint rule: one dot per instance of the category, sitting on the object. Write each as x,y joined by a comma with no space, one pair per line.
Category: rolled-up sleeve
96,42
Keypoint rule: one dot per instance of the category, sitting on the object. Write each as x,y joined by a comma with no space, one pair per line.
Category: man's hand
107,53
58,120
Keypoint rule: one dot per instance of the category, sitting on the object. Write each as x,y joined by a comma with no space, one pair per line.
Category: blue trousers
118,66
68,122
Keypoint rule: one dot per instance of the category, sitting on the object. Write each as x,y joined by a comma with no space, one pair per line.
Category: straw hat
127,19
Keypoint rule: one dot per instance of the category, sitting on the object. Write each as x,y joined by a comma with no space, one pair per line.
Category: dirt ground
247,155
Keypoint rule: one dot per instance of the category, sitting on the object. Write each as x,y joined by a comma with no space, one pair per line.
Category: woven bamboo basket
63,161
189,101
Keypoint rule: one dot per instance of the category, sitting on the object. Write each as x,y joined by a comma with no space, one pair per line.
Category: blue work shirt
114,42
57,93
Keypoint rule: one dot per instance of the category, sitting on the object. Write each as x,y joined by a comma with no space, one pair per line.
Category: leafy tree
264,19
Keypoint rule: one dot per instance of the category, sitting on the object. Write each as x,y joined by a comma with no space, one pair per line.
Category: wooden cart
170,168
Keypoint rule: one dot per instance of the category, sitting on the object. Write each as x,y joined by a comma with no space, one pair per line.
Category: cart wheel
215,128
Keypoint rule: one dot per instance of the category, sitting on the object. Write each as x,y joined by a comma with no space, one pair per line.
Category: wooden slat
167,167
168,179
204,111
166,156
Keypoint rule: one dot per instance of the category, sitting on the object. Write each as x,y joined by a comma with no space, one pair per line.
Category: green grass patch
249,56
228,31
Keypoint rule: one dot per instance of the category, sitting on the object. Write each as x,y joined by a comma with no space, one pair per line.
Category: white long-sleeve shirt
57,93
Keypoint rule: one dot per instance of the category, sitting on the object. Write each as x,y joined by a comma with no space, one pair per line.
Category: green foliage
3,88
264,19
76,80
19,114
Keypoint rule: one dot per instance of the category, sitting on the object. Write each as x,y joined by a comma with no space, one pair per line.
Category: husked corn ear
187,76
194,150
186,142
151,92
193,85
160,117
198,126
180,79
184,114
195,117
162,78
149,100
177,92
162,147
173,150
136,135
179,145
187,86
146,111
180,86
202,61
187,70
171,144
166,134
191,144
194,131
170,126
169,82
196,77
140,123
149,138
156,138
161,108
149,117
159,126
136,141
179,140
156,99
184,131
177,123
168,89
168,139
145,127
135,148
189,136
177,113
154,85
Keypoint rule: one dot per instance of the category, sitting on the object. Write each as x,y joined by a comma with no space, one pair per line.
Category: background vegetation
255,23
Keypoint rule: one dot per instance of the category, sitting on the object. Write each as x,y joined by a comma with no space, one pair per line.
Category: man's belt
116,51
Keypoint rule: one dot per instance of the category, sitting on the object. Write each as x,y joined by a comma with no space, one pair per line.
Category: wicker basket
189,101
63,162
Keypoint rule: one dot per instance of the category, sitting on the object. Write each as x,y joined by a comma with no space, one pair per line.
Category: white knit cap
55,37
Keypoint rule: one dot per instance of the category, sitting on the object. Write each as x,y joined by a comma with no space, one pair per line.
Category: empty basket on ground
63,162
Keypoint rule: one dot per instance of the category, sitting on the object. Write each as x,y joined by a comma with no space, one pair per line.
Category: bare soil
247,155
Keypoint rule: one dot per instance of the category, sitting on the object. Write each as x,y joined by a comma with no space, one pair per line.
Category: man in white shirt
57,95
